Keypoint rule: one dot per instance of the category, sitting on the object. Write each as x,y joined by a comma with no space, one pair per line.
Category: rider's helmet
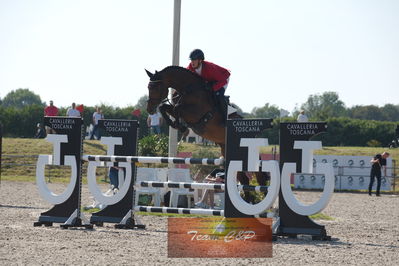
197,54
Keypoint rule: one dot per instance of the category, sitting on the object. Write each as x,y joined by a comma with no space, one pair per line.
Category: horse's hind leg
244,180
184,136
262,178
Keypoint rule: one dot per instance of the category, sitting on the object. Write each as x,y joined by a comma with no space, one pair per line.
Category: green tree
391,112
367,112
21,98
324,106
142,103
267,111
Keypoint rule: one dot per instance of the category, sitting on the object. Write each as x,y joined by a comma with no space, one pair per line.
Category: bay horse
193,106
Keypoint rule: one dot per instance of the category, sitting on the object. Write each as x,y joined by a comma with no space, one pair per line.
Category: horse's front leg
179,125
166,110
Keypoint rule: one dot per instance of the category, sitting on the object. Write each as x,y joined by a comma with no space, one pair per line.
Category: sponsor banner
216,237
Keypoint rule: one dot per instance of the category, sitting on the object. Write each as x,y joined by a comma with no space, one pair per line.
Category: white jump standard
242,155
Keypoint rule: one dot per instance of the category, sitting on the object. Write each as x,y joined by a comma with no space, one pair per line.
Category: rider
216,76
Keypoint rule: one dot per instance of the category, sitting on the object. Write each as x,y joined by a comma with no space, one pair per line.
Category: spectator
39,132
50,110
72,111
215,177
154,122
378,162
302,117
97,115
114,177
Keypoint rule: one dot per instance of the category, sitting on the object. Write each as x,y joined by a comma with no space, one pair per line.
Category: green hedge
21,122
346,132
356,132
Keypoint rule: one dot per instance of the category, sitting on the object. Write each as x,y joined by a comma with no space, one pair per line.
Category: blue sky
279,52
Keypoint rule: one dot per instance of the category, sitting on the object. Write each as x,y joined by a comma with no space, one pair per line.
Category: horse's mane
198,77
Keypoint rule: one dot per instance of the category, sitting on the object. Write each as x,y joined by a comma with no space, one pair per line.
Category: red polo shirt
51,111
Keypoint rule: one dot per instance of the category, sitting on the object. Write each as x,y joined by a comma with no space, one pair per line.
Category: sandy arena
365,230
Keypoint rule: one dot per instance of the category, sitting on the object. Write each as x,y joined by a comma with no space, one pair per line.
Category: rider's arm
217,74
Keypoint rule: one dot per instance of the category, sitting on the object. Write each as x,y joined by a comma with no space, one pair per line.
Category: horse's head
157,91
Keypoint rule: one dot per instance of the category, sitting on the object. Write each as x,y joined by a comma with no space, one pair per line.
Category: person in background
97,115
39,132
302,118
72,111
207,201
154,122
378,162
114,177
50,110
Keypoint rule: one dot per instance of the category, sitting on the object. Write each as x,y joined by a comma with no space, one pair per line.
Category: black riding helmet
197,54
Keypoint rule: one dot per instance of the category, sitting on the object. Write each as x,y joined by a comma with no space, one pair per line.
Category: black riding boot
222,105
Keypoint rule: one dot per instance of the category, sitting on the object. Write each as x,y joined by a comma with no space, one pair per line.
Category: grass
321,216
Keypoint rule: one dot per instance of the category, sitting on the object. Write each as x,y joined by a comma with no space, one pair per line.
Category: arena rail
211,212
142,159
198,186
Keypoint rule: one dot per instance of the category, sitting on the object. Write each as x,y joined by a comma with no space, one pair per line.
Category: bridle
158,100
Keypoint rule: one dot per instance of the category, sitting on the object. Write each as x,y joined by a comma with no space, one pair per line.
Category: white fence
351,173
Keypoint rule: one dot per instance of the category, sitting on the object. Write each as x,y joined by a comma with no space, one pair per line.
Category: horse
193,106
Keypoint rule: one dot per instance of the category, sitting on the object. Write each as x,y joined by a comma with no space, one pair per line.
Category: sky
279,52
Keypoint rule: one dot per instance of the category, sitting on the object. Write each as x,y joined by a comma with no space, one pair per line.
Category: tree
142,103
267,111
21,98
367,112
391,112
324,106
388,112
